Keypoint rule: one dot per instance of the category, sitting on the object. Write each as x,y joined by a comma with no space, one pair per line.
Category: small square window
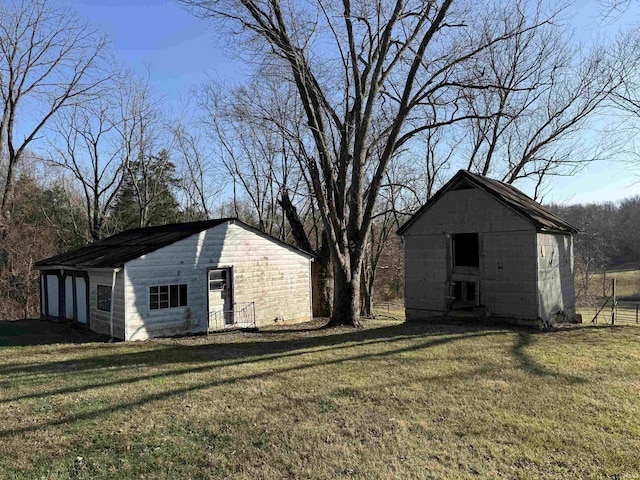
104,298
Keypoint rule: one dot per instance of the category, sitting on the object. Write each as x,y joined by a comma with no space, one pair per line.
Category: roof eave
557,230
57,266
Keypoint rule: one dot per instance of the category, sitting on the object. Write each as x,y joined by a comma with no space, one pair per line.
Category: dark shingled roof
506,194
115,251
118,249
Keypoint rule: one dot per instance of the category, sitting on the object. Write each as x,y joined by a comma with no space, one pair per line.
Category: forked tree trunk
322,285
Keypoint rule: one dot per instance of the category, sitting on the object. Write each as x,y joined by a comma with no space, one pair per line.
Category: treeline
49,217
609,234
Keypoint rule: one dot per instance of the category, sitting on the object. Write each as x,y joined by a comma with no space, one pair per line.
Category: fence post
613,305
636,313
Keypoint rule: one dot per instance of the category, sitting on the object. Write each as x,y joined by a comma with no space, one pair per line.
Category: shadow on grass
249,347
527,363
255,349
32,332
263,351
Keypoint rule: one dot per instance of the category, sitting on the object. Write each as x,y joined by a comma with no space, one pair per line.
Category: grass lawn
391,400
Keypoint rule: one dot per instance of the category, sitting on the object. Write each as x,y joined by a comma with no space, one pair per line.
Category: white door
68,298
220,307
81,299
52,295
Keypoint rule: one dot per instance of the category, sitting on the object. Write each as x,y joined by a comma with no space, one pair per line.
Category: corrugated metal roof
115,251
507,195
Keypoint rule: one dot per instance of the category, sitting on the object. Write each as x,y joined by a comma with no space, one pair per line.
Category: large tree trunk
322,285
346,298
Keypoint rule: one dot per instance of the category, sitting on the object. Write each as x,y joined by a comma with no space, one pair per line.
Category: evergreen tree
147,196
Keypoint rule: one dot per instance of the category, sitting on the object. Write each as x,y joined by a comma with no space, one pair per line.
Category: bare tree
146,143
48,60
251,127
91,151
549,93
43,221
263,149
626,99
407,185
201,182
368,76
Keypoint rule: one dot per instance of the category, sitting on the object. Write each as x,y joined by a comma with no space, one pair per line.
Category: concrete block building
481,247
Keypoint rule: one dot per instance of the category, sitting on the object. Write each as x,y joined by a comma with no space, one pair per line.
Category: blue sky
180,48
184,51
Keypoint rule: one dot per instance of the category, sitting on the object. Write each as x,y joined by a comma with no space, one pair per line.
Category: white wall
53,286
99,320
275,277
556,290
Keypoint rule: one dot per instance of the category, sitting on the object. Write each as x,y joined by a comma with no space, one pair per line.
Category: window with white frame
167,296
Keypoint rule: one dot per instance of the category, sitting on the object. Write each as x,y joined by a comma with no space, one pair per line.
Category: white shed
178,279
481,247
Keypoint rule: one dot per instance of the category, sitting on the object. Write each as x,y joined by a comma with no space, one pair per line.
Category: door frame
231,288
464,274
62,274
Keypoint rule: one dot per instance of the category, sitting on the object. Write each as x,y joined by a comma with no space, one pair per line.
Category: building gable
507,195
466,210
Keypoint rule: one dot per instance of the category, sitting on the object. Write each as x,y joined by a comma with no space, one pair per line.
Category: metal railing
242,315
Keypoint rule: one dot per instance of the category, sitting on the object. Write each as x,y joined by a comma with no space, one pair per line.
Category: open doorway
220,297
466,251
465,270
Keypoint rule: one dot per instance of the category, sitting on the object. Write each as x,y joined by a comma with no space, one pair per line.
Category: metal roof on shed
115,251
508,195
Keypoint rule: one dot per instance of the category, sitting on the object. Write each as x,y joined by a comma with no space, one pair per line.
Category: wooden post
636,313
613,304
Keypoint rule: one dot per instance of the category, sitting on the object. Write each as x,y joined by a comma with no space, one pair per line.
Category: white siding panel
556,290
100,320
81,300
43,307
52,296
275,277
68,297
